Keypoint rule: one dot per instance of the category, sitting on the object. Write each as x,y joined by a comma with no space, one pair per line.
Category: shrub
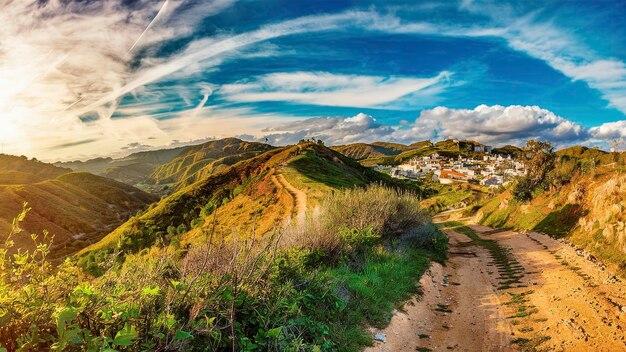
384,211
244,294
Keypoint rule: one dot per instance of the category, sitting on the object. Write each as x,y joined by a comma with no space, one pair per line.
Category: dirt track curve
299,197
561,301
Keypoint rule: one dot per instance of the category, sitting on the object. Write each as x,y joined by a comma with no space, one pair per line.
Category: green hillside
202,160
166,170
360,151
247,188
78,208
132,169
381,153
583,203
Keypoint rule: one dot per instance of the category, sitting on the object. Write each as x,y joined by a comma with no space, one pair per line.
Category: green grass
510,271
321,170
530,344
560,223
385,279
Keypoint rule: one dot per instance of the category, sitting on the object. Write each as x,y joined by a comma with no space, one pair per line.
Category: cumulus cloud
324,88
494,125
332,130
609,130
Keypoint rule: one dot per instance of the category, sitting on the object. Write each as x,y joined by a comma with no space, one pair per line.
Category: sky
80,78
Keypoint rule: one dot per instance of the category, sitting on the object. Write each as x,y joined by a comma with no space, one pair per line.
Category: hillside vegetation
249,193
132,169
77,208
584,203
167,170
27,170
202,160
310,286
381,153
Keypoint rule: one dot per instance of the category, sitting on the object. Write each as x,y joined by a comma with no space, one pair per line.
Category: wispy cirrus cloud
329,89
559,47
59,56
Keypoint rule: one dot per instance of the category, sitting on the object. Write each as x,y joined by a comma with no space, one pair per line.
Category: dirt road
508,291
298,195
299,198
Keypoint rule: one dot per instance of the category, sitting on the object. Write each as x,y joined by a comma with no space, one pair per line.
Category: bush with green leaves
247,294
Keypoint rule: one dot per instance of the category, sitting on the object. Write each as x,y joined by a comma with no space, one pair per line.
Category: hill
360,151
381,153
265,191
27,170
165,170
586,207
511,150
132,169
199,161
77,208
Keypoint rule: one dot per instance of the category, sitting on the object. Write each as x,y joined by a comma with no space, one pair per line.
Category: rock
380,337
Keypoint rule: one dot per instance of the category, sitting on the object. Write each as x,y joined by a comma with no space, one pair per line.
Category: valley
303,247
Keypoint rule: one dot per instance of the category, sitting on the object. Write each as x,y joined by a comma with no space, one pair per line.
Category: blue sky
134,75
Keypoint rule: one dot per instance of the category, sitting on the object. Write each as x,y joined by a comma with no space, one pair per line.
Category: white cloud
609,130
324,88
494,124
333,130
210,48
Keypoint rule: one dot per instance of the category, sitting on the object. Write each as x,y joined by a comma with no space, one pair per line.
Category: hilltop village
485,169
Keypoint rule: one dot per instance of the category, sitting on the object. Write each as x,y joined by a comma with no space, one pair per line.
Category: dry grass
387,211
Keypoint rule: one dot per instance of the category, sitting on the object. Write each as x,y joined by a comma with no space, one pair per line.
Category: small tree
539,160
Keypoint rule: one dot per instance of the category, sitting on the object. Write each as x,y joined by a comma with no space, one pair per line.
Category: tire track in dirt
580,304
561,301
459,309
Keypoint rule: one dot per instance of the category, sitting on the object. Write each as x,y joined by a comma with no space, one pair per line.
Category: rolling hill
587,209
265,192
360,151
132,169
381,153
199,161
76,208
166,170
